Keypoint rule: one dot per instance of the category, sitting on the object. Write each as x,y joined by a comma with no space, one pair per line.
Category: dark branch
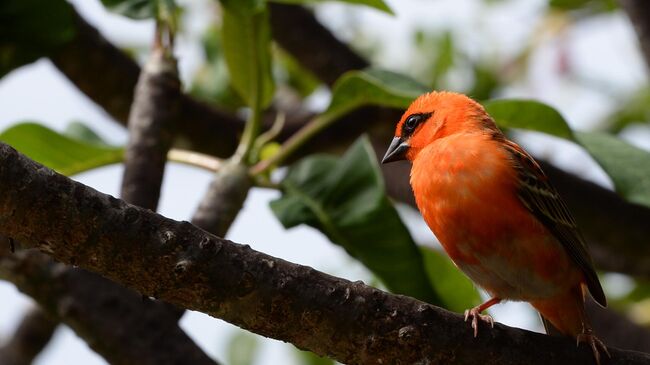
224,199
152,121
114,321
188,267
32,335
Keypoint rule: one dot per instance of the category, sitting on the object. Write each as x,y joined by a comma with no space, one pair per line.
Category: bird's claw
597,346
476,316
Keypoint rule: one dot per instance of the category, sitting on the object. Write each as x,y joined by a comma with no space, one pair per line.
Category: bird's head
433,116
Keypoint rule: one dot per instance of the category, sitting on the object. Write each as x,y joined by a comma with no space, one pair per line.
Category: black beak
396,151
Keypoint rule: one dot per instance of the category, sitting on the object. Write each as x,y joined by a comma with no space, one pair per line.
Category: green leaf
345,199
242,348
372,87
212,82
134,9
457,290
30,29
244,7
528,114
628,166
66,155
246,43
591,5
377,4
310,358
81,132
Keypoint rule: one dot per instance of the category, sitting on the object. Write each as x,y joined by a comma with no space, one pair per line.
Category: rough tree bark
193,269
114,321
224,199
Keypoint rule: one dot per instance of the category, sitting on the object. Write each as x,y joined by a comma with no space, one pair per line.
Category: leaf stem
194,159
311,129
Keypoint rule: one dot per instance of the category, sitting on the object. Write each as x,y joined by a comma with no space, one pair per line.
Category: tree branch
224,199
114,321
152,124
188,267
32,335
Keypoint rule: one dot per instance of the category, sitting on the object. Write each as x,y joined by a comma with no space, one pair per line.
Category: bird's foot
475,314
597,346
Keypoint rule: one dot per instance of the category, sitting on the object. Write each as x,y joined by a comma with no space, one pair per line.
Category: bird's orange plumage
494,212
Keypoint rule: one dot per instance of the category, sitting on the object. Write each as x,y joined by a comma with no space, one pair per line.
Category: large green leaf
528,114
377,4
345,199
457,291
30,29
246,43
628,166
211,81
375,87
64,154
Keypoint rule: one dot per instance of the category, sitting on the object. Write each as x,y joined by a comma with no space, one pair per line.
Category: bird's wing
541,198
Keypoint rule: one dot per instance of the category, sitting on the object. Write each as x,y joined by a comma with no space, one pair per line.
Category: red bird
496,214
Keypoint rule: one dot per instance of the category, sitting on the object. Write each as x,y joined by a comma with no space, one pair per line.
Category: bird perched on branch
496,214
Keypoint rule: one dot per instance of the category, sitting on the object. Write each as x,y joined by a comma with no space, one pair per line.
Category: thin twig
201,160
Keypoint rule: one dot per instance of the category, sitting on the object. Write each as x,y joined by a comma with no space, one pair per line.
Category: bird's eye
412,121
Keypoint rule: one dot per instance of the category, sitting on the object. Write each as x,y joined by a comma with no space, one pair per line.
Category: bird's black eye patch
413,121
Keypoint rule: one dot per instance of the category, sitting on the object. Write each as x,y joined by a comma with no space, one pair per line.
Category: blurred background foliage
344,197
